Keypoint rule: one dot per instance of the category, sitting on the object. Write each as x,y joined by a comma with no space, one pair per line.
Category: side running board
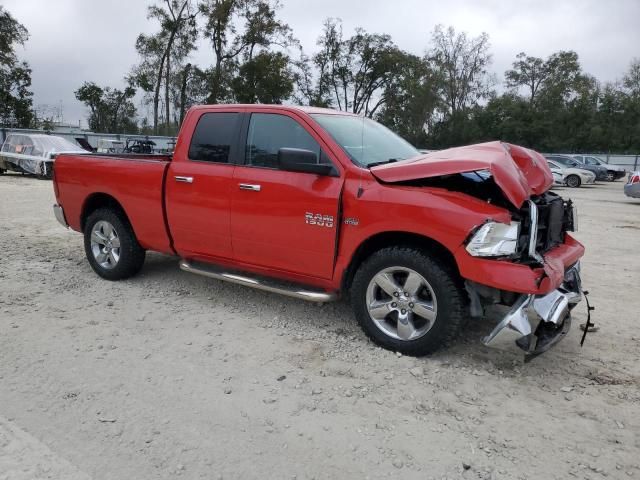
260,283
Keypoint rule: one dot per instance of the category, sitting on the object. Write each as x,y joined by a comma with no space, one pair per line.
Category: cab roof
259,106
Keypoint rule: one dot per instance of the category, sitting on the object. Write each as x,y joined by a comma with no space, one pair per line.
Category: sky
72,41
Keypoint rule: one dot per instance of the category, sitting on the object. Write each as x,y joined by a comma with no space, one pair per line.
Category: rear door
198,187
283,220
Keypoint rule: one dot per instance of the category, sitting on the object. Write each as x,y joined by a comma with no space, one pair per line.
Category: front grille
551,225
554,219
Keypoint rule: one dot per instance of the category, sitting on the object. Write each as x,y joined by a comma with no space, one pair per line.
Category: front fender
444,217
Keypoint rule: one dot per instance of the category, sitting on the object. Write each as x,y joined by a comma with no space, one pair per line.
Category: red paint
265,232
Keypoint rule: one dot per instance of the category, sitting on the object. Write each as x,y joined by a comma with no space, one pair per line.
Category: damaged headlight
494,240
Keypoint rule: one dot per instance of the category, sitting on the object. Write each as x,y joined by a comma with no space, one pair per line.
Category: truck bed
136,180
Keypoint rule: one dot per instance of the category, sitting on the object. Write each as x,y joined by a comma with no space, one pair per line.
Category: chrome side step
261,283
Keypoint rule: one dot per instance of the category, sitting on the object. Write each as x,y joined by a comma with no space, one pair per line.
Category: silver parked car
614,172
632,188
569,162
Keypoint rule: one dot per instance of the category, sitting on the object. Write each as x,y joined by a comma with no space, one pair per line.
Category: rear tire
574,181
408,301
111,245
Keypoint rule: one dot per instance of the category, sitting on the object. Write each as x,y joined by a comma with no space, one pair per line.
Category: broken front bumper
535,323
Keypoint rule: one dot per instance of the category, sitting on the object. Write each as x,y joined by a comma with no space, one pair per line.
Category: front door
198,189
283,220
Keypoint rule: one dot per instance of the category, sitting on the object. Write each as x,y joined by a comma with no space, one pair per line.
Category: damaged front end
535,323
524,260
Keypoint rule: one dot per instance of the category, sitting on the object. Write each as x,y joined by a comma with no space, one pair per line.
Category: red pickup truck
315,204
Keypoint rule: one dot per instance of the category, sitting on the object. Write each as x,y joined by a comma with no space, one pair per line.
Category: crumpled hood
518,171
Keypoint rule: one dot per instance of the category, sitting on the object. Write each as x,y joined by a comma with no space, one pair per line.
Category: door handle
184,179
248,186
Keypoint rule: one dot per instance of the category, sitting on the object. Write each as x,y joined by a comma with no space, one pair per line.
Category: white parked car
572,177
33,153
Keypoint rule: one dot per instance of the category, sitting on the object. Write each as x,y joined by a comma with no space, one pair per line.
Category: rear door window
214,137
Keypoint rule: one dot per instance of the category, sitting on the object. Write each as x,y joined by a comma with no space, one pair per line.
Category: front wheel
611,176
407,301
111,246
573,181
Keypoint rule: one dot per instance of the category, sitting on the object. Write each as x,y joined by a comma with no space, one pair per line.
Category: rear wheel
573,181
111,246
407,301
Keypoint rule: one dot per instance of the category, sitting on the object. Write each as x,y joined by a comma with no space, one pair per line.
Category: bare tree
462,64
356,70
529,72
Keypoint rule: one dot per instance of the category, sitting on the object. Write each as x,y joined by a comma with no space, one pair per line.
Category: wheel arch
382,240
100,200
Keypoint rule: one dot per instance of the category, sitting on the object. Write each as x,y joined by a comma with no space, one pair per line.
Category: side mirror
303,161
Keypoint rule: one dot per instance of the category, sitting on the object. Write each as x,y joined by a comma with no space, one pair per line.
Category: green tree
111,109
354,72
221,18
192,87
410,100
264,31
163,54
15,76
617,123
529,72
238,30
311,89
266,78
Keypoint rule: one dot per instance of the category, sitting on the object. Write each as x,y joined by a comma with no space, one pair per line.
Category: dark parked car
613,171
568,161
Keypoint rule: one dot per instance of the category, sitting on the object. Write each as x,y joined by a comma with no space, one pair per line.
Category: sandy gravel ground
170,375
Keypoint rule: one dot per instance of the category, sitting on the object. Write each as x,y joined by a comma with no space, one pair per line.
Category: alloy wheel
105,245
401,303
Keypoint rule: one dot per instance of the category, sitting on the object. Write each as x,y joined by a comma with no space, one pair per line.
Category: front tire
408,301
611,176
111,245
574,181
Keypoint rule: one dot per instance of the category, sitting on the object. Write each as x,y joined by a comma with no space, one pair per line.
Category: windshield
366,142
553,165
